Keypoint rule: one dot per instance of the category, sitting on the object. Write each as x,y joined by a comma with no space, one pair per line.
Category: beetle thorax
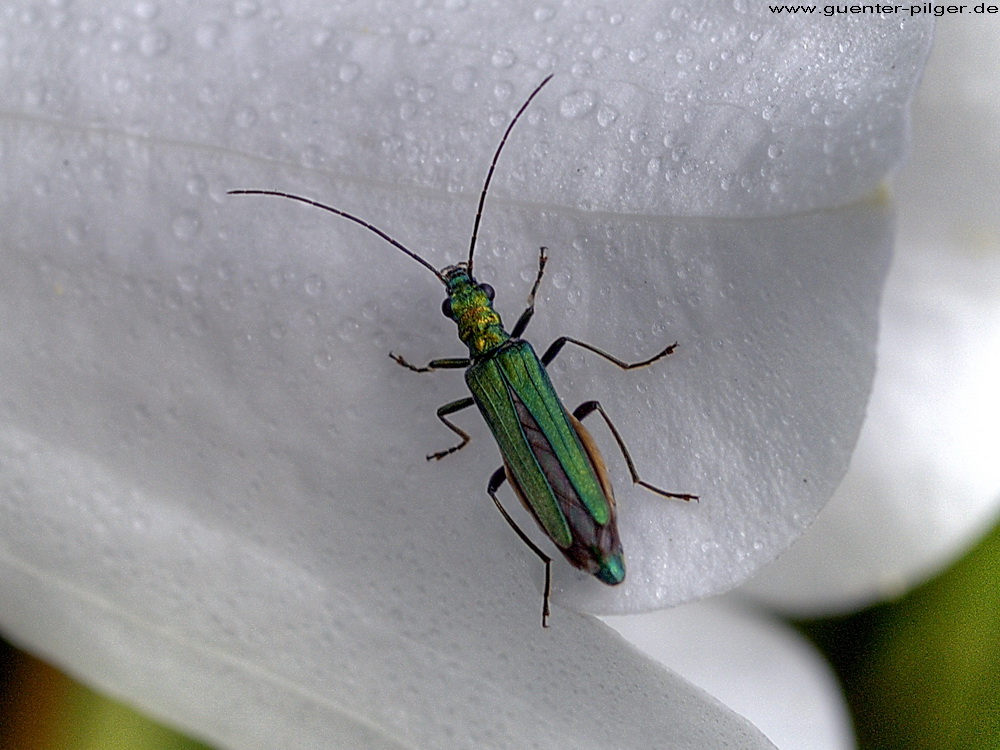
470,305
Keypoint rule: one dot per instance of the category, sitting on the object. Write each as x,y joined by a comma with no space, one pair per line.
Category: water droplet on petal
246,117
420,35
577,104
210,35
246,8
503,58
313,285
196,185
606,115
349,72
76,230
186,225
154,43
147,11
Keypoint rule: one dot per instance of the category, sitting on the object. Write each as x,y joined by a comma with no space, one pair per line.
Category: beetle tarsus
399,360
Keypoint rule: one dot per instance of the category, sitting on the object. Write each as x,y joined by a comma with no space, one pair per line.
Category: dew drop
321,37
208,94
684,56
606,115
503,90
187,278
196,185
420,35
280,277
186,225
323,359
577,104
246,8
36,94
312,156
461,80
147,11
348,330
210,35
544,13
404,87
89,26
152,288
562,279
503,58
154,43
119,46
349,72
313,285
30,16
407,111
76,230
246,117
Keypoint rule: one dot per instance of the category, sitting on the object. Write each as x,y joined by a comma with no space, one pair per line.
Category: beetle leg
442,412
522,322
494,484
556,346
435,364
587,408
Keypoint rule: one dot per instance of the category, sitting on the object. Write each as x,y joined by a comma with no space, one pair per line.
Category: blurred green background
922,672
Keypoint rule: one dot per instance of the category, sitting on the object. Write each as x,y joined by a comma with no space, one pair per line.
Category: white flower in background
215,502
924,482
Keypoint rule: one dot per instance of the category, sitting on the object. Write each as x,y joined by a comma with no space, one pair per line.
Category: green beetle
549,457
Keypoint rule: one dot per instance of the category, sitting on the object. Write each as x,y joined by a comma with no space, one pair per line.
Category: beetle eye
446,308
489,291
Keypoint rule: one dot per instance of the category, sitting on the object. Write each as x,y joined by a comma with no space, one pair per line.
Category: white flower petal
754,664
925,481
214,486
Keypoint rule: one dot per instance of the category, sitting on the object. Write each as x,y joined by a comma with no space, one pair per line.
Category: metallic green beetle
549,457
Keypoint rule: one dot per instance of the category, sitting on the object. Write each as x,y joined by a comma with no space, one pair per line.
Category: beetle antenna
493,164
350,217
